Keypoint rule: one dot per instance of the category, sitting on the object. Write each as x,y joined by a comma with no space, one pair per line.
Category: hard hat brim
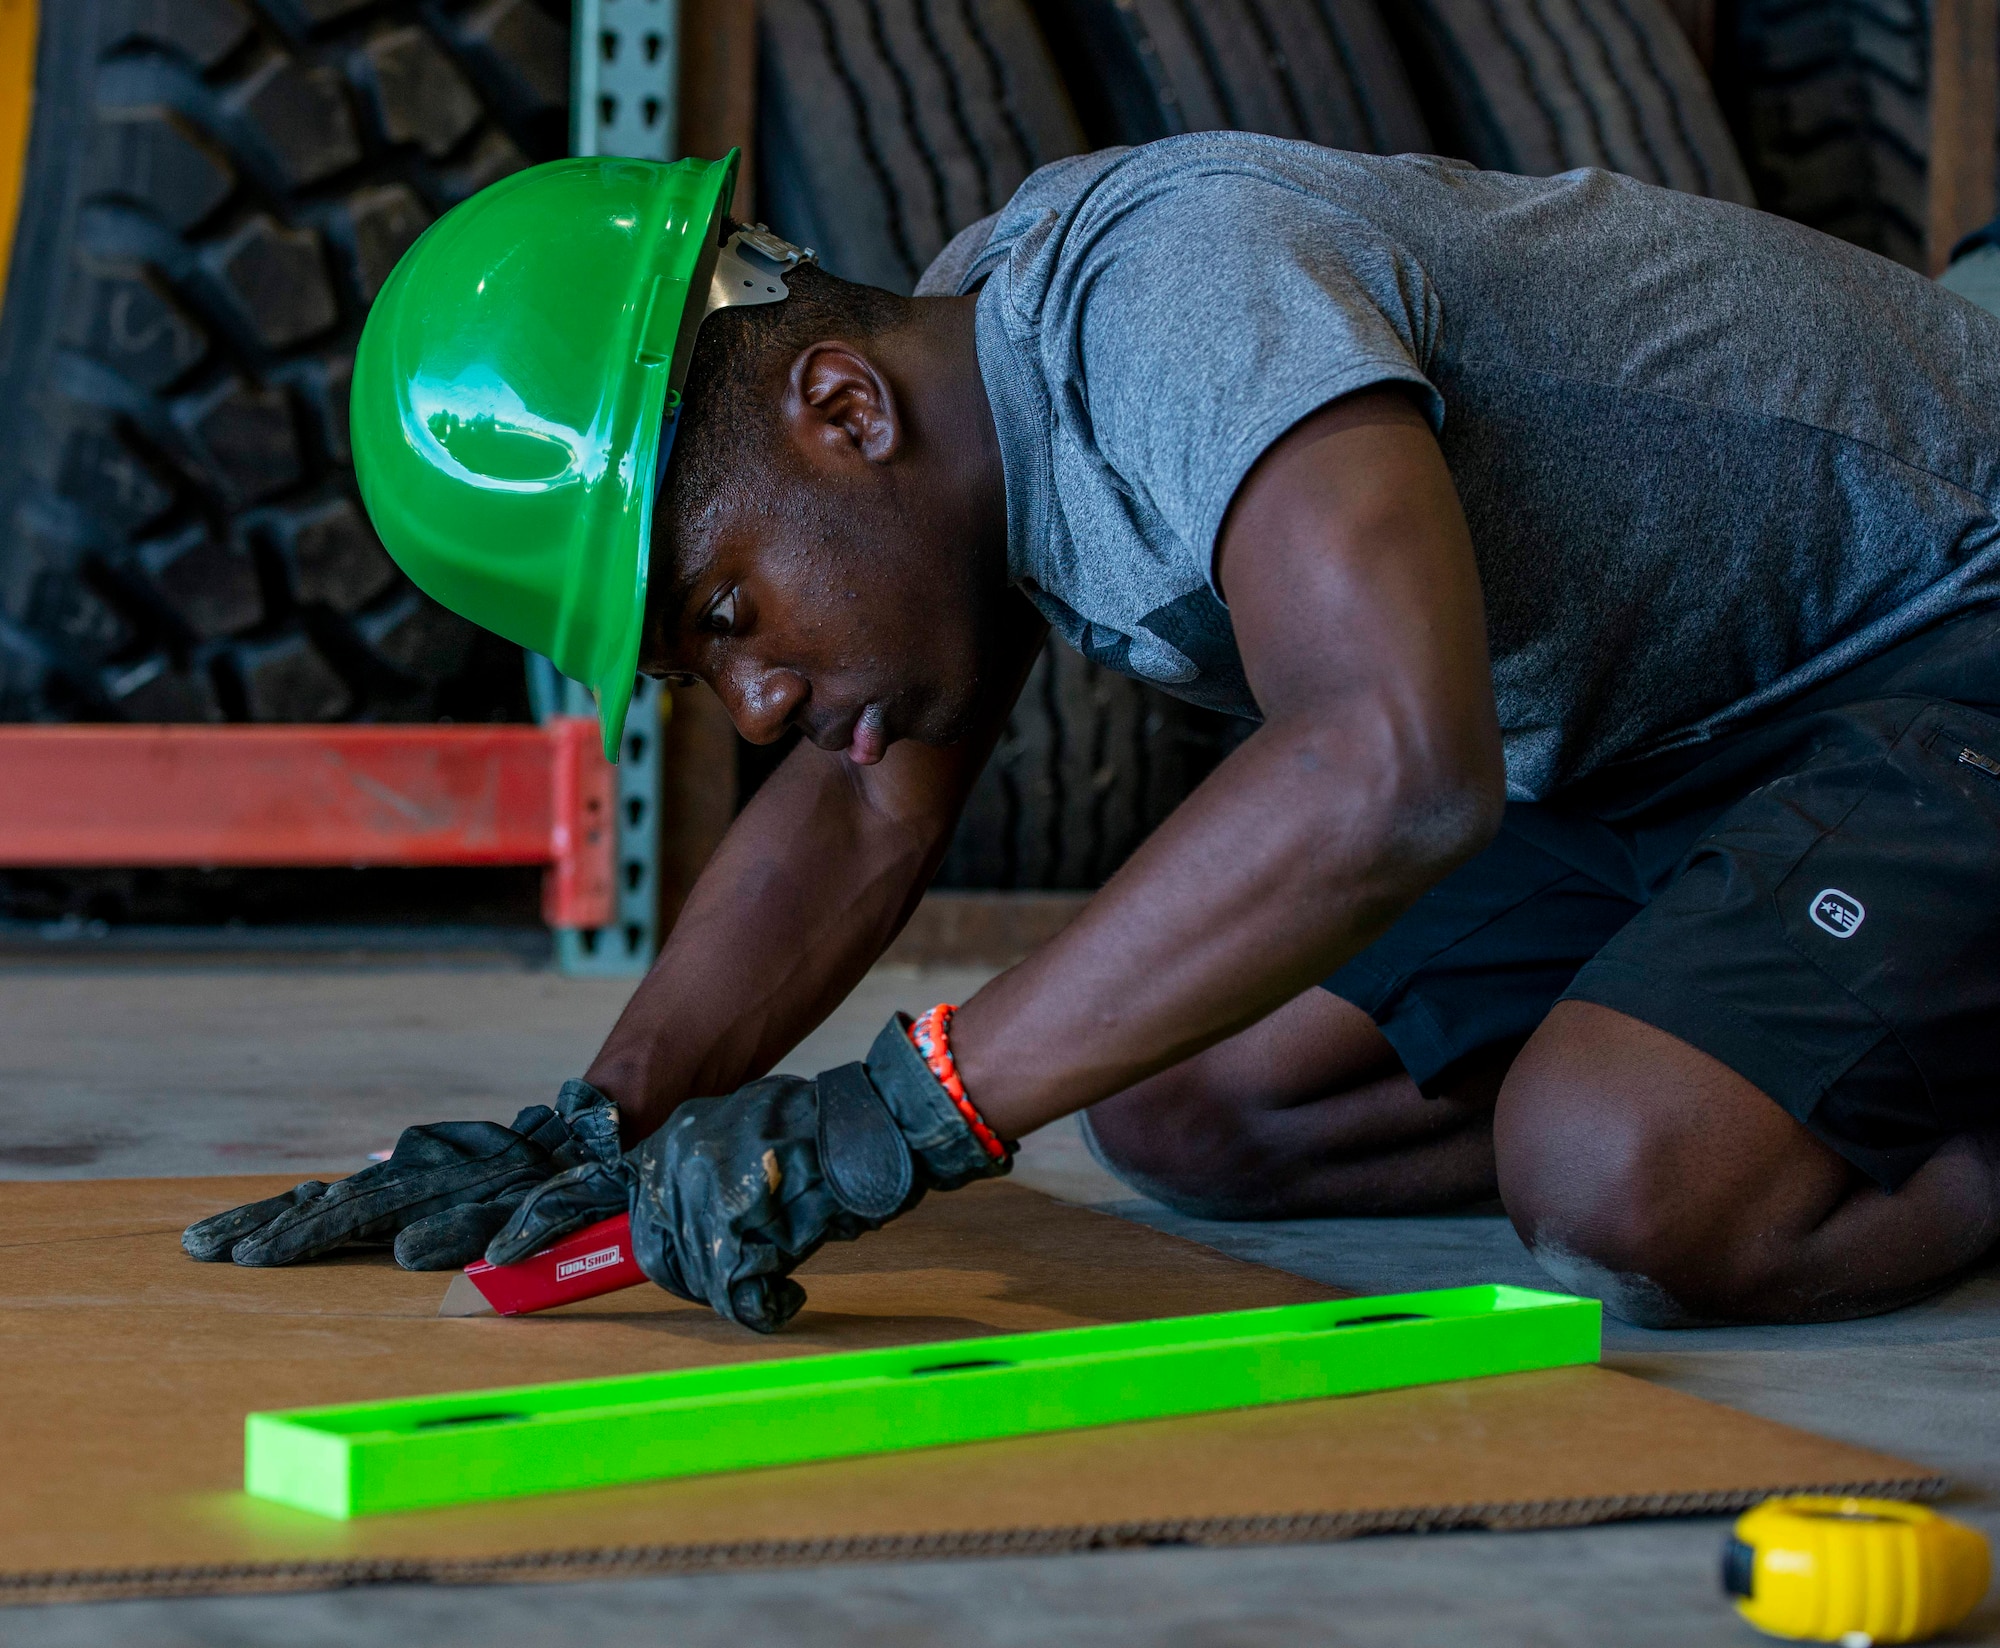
651,453
629,565
614,690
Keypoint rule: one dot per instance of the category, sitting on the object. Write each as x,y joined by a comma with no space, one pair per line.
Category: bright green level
594,1433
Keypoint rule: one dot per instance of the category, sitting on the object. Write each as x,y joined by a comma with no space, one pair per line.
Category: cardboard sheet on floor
127,1370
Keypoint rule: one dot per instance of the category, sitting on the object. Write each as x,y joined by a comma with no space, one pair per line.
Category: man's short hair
729,404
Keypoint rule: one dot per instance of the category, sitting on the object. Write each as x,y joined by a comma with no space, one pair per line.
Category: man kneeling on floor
1612,575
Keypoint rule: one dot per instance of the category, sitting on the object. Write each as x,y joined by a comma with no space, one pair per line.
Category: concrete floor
112,1071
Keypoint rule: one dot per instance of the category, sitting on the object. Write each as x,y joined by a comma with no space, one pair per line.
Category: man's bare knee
1197,1171
1626,1280
1602,1189
1643,1171
1378,1149
1597,1225
1198,1136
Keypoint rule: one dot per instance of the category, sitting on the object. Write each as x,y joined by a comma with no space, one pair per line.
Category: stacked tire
214,192
1540,86
1831,101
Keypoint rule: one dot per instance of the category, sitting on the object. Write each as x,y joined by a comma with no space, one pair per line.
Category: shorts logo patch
1838,913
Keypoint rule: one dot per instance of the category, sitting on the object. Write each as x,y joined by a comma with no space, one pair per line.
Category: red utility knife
597,1259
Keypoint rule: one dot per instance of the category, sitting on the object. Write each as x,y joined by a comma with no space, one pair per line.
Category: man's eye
720,619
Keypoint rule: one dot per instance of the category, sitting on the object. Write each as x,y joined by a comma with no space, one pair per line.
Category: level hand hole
468,1419
1387,1316
957,1367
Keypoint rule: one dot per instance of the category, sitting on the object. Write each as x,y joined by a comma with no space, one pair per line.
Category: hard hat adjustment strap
751,268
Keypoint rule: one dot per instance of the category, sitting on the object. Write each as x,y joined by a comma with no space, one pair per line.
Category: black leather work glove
732,1194
441,1195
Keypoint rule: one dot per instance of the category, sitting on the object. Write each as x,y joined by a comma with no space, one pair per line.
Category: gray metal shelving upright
624,100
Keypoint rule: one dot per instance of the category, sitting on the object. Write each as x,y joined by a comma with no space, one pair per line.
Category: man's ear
839,406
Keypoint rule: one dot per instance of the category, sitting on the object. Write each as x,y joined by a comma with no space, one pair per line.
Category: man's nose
762,702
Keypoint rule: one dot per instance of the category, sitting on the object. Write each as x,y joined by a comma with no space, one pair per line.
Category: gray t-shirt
1708,457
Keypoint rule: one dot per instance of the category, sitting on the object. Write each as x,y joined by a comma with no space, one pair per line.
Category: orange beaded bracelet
930,1035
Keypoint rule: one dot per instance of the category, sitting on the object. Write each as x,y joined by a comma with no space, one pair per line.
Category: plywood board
128,1370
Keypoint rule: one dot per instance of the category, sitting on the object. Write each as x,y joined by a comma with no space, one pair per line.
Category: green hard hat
515,385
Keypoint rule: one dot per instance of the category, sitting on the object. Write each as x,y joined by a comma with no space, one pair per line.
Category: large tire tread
216,192
1323,70
1090,764
888,125
1830,102
1542,86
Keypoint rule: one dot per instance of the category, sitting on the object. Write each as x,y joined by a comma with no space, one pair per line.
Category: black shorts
1813,900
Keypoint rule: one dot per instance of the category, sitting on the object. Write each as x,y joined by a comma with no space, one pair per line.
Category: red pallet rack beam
302,796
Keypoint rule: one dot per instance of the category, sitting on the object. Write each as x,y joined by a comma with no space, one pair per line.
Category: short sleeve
949,270
1206,317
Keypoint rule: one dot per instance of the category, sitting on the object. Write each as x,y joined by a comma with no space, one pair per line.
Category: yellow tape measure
1853,1571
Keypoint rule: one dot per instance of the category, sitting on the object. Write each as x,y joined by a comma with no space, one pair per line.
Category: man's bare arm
1351,582
808,887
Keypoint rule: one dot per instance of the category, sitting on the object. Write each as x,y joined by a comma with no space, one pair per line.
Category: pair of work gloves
726,1199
